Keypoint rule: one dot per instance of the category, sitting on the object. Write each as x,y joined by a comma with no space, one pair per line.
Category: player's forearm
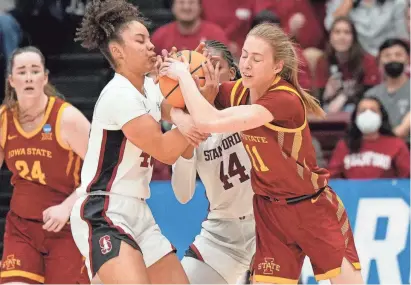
70,200
188,153
165,111
172,145
184,178
200,109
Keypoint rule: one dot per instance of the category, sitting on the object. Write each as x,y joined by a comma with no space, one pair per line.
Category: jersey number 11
234,168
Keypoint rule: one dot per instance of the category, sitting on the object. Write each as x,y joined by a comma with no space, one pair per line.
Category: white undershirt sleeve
183,179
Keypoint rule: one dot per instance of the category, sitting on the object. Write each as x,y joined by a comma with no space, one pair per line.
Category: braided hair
104,21
227,55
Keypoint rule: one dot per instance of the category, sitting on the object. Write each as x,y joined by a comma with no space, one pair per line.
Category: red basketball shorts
32,255
318,228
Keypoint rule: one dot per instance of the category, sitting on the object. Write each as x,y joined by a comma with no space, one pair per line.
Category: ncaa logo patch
47,129
47,135
105,244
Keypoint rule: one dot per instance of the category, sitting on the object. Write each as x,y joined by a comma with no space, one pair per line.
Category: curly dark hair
103,22
354,135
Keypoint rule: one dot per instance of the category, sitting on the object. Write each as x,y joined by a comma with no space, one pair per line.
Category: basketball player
112,224
42,141
296,212
223,249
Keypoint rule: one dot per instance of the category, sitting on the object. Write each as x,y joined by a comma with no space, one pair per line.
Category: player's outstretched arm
206,117
75,130
145,133
234,119
183,179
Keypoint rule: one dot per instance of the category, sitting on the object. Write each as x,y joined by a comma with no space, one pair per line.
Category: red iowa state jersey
45,171
281,152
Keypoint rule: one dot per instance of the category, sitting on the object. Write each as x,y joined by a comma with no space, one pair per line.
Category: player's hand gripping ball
170,88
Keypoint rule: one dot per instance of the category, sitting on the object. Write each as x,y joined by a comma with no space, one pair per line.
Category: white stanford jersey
112,163
224,168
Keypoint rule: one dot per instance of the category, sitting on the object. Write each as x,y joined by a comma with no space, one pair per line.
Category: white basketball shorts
100,222
227,245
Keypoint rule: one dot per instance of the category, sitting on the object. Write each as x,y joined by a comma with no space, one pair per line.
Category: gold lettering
268,266
30,151
257,139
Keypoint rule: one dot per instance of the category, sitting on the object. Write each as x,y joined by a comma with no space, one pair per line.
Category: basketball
170,88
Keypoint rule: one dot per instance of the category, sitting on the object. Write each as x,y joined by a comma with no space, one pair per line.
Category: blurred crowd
354,57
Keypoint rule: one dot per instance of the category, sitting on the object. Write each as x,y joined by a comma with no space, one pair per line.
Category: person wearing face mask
394,91
370,149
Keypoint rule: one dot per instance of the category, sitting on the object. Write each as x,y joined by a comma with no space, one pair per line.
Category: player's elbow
183,199
169,160
180,191
167,157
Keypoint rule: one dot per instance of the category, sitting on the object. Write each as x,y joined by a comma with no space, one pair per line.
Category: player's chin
248,81
151,63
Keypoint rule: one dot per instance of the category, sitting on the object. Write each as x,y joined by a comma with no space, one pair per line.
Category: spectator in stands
234,17
304,75
407,18
10,34
299,20
375,20
346,70
370,149
188,30
394,91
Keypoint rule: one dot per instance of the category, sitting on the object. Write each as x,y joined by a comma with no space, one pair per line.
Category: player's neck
188,28
32,106
136,79
258,91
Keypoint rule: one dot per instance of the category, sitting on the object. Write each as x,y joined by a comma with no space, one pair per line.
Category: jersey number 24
234,168
33,173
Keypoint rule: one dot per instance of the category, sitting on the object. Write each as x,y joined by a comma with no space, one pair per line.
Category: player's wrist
182,74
